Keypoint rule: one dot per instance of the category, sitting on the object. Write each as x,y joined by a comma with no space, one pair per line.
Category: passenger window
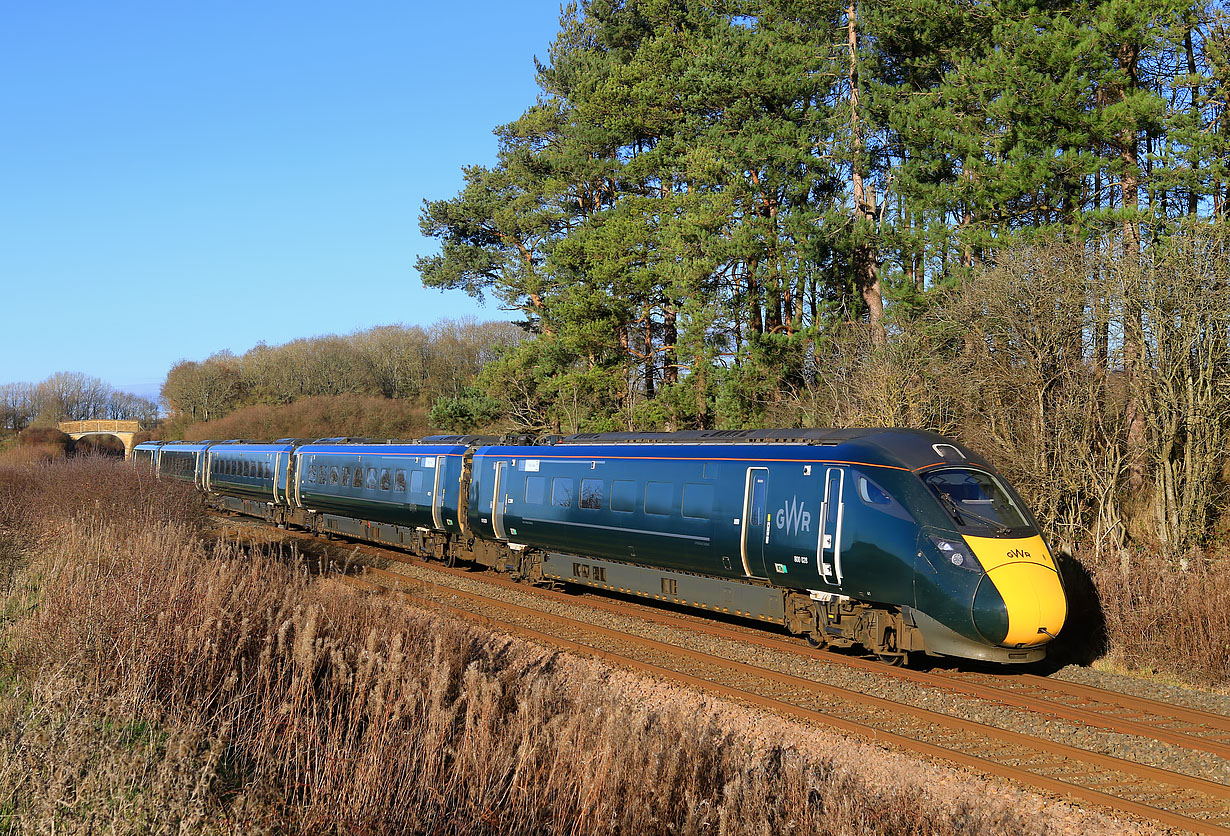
535,490
416,481
247,469
623,495
333,475
357,482
561,492
399,481
312,473
658,497
697,501
591,493
371,479
386,479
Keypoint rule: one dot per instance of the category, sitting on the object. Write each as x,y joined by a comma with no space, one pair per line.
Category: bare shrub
1165,618
32,454
859,384
319,417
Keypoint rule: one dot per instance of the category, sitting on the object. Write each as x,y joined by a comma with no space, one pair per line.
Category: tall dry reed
253,696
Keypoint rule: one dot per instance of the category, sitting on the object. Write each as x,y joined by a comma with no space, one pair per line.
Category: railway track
1120,782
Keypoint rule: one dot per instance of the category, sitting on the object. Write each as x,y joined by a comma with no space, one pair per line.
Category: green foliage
706,192
469,410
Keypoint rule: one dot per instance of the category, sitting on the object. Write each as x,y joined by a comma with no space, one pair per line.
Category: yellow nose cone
1025,576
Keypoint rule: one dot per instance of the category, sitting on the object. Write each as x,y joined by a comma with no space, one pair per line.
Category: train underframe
892,633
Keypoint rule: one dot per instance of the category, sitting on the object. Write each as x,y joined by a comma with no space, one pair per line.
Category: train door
293,468
832,514
437,496
277,474
498,501
755,519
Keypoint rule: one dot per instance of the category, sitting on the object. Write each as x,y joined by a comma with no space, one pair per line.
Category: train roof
896,447
328,445
239,446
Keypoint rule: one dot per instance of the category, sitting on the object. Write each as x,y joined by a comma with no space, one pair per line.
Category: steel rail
1077,791
991,693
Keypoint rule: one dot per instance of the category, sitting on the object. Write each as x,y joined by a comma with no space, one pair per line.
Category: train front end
985,578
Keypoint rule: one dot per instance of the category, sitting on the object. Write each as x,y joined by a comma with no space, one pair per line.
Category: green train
900,541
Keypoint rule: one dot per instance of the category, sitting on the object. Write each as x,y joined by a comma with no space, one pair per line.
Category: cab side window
874,496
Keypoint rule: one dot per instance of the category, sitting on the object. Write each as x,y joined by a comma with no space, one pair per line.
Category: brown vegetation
405,363
318,417
1165,619
153,683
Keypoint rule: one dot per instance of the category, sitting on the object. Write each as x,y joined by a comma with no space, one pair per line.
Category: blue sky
181,178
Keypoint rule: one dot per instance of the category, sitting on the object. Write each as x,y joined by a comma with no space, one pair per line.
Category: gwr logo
1018,554
793,517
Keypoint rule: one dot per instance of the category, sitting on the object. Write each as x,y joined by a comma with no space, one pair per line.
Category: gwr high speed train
898,540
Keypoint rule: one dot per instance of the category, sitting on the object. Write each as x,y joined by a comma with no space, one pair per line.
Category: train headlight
958,554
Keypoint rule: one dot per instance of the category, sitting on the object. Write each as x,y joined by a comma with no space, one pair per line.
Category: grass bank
154,681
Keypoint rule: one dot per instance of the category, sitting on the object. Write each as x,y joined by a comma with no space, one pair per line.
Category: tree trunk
865,255
1133,333
670,336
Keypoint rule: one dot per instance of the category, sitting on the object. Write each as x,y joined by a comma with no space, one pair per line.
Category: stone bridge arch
125,431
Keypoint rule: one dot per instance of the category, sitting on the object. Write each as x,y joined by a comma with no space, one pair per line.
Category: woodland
1002,221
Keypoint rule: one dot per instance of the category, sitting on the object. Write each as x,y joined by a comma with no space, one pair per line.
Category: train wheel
888,652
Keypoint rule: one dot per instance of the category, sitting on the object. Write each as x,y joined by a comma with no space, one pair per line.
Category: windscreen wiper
999,527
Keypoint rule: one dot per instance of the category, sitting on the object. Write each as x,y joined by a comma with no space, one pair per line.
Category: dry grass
161,684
